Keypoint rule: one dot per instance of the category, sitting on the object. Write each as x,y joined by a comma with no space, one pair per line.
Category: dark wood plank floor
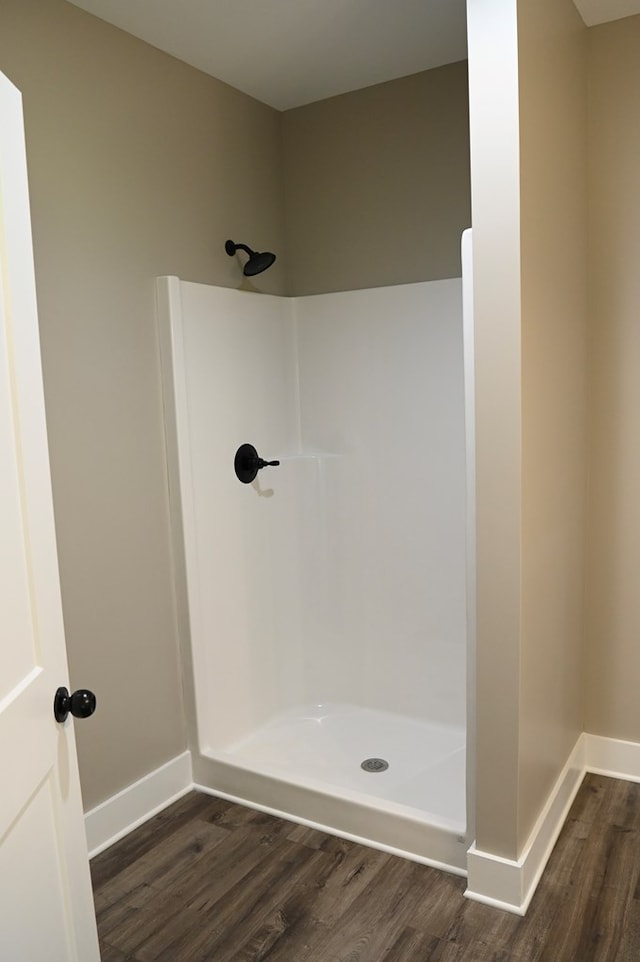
209,881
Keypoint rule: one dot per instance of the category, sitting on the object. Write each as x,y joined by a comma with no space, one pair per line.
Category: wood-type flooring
210,881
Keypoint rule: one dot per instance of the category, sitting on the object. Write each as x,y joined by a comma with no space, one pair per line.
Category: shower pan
322,584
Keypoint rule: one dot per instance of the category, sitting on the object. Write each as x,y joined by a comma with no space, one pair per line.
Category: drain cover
374,765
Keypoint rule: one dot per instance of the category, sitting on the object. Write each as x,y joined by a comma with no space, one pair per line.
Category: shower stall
324,603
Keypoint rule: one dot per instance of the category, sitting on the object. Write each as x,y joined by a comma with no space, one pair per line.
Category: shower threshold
307,764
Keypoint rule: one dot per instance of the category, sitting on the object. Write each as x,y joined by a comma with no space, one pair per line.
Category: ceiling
601,11
292,52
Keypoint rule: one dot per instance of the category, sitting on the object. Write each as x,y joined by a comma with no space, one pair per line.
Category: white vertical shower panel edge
468,334
327,599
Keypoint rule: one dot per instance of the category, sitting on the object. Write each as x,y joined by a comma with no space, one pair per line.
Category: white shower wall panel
235,382
381,390
339,576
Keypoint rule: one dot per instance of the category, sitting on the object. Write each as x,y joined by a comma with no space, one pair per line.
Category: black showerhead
257,262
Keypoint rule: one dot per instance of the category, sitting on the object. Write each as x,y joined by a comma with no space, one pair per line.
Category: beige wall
139,166
613,601
377,184
553,224
528,136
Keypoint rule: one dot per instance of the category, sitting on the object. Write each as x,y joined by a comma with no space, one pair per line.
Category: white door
46,906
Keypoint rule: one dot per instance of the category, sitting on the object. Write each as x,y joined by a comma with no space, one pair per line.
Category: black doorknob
81,704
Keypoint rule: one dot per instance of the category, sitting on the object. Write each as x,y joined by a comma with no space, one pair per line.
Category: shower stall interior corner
327,597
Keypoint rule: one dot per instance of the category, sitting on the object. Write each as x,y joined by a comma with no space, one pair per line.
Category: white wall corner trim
508,884
613,757
120,814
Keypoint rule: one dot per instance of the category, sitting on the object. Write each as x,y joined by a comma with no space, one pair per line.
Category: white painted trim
502,883
509,884
468,338
350,837
613,757
134,805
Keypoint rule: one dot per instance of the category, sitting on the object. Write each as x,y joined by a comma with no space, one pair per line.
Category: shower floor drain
374,765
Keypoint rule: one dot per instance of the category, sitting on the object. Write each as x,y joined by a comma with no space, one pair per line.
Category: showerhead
257,263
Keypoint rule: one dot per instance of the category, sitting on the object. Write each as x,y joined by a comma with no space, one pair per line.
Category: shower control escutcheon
248,462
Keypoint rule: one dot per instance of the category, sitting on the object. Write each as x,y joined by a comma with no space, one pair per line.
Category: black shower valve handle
247,463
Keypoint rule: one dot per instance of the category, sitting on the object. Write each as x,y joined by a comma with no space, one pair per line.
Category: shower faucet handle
247,463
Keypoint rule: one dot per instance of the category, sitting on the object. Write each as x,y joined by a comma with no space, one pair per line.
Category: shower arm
242,247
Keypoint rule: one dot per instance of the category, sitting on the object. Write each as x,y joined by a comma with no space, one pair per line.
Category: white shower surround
327,600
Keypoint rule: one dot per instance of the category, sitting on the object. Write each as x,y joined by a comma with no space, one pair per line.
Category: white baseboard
120,814
508,884
613,757
496,881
